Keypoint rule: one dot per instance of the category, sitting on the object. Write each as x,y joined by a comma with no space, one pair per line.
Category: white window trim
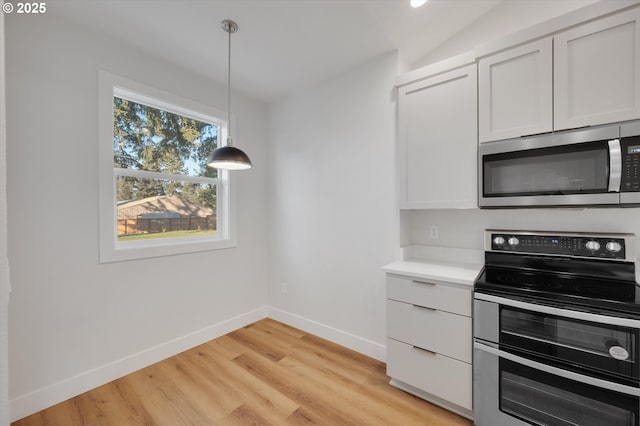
111,250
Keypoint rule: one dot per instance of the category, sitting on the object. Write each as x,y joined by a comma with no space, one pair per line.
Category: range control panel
604,246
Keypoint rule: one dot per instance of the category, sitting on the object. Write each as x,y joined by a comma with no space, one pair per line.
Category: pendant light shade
229,157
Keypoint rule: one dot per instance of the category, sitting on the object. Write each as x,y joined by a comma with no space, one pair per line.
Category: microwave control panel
630,164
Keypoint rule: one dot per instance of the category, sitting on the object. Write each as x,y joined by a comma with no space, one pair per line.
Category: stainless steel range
556,330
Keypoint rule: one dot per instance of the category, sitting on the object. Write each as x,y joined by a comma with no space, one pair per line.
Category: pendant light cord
229,140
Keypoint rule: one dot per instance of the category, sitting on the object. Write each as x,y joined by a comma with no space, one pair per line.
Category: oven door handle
604,384
550,310
615,165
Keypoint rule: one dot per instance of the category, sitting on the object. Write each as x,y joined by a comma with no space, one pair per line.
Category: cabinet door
515,92
596,72
438,141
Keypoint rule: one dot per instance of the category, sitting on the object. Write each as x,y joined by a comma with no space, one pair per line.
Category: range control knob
513,241
592,245
498,240
613,246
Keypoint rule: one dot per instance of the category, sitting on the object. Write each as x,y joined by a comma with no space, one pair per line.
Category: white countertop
458,266
453,272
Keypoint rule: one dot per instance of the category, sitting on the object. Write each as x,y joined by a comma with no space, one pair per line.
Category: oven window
608,348
548,400
570,169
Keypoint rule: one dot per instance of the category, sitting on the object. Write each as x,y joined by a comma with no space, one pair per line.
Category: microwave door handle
615,165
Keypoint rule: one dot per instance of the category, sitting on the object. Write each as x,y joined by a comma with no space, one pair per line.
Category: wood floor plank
331,349
295,386
213,397
303,416
260,342
257,396
337,364
243,416
345,395
163,400
267,373
225,346
282,328
114,403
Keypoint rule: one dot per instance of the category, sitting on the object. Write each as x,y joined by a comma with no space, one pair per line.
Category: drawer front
430,295
438,375
442,332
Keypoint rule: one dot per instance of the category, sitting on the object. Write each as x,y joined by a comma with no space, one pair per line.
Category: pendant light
229,157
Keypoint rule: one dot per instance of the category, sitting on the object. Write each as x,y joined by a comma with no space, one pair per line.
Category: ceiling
282,46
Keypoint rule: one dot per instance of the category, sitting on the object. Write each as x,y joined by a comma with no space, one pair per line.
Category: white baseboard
48,396
351,341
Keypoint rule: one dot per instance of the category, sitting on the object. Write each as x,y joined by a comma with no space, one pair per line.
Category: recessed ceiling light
417,3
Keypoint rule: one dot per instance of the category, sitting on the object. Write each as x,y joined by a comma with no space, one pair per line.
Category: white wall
506,18
332,204
4,264
75,323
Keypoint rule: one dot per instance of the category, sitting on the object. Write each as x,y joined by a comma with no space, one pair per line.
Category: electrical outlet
434,232
285,290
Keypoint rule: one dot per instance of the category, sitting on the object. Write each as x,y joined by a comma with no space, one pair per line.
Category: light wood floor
265,373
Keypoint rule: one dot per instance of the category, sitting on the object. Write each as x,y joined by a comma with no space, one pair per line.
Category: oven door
597,345
575,168
510,390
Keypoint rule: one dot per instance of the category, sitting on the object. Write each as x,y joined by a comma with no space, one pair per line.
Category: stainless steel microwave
598,166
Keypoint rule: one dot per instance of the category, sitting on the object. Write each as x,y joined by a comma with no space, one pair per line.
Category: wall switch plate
285,290
434,232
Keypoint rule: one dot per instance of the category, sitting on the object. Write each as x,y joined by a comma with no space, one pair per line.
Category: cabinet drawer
442,332
438,375
430,295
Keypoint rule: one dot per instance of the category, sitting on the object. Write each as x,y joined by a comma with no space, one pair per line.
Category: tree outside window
153,140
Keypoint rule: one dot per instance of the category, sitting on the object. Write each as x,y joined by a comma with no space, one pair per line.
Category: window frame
112,250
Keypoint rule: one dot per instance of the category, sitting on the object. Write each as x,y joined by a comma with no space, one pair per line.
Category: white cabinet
515,92
438,141
597,72
585,76
429,340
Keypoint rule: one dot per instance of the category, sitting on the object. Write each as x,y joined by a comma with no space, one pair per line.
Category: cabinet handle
424,350
424,282
425,307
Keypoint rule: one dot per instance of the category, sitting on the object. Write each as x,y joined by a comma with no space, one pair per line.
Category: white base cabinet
429,341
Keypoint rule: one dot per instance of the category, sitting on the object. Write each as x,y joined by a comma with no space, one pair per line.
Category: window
157,196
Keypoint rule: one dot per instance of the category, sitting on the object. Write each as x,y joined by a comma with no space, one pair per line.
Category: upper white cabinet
596,72
583,76
515,89
438,141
